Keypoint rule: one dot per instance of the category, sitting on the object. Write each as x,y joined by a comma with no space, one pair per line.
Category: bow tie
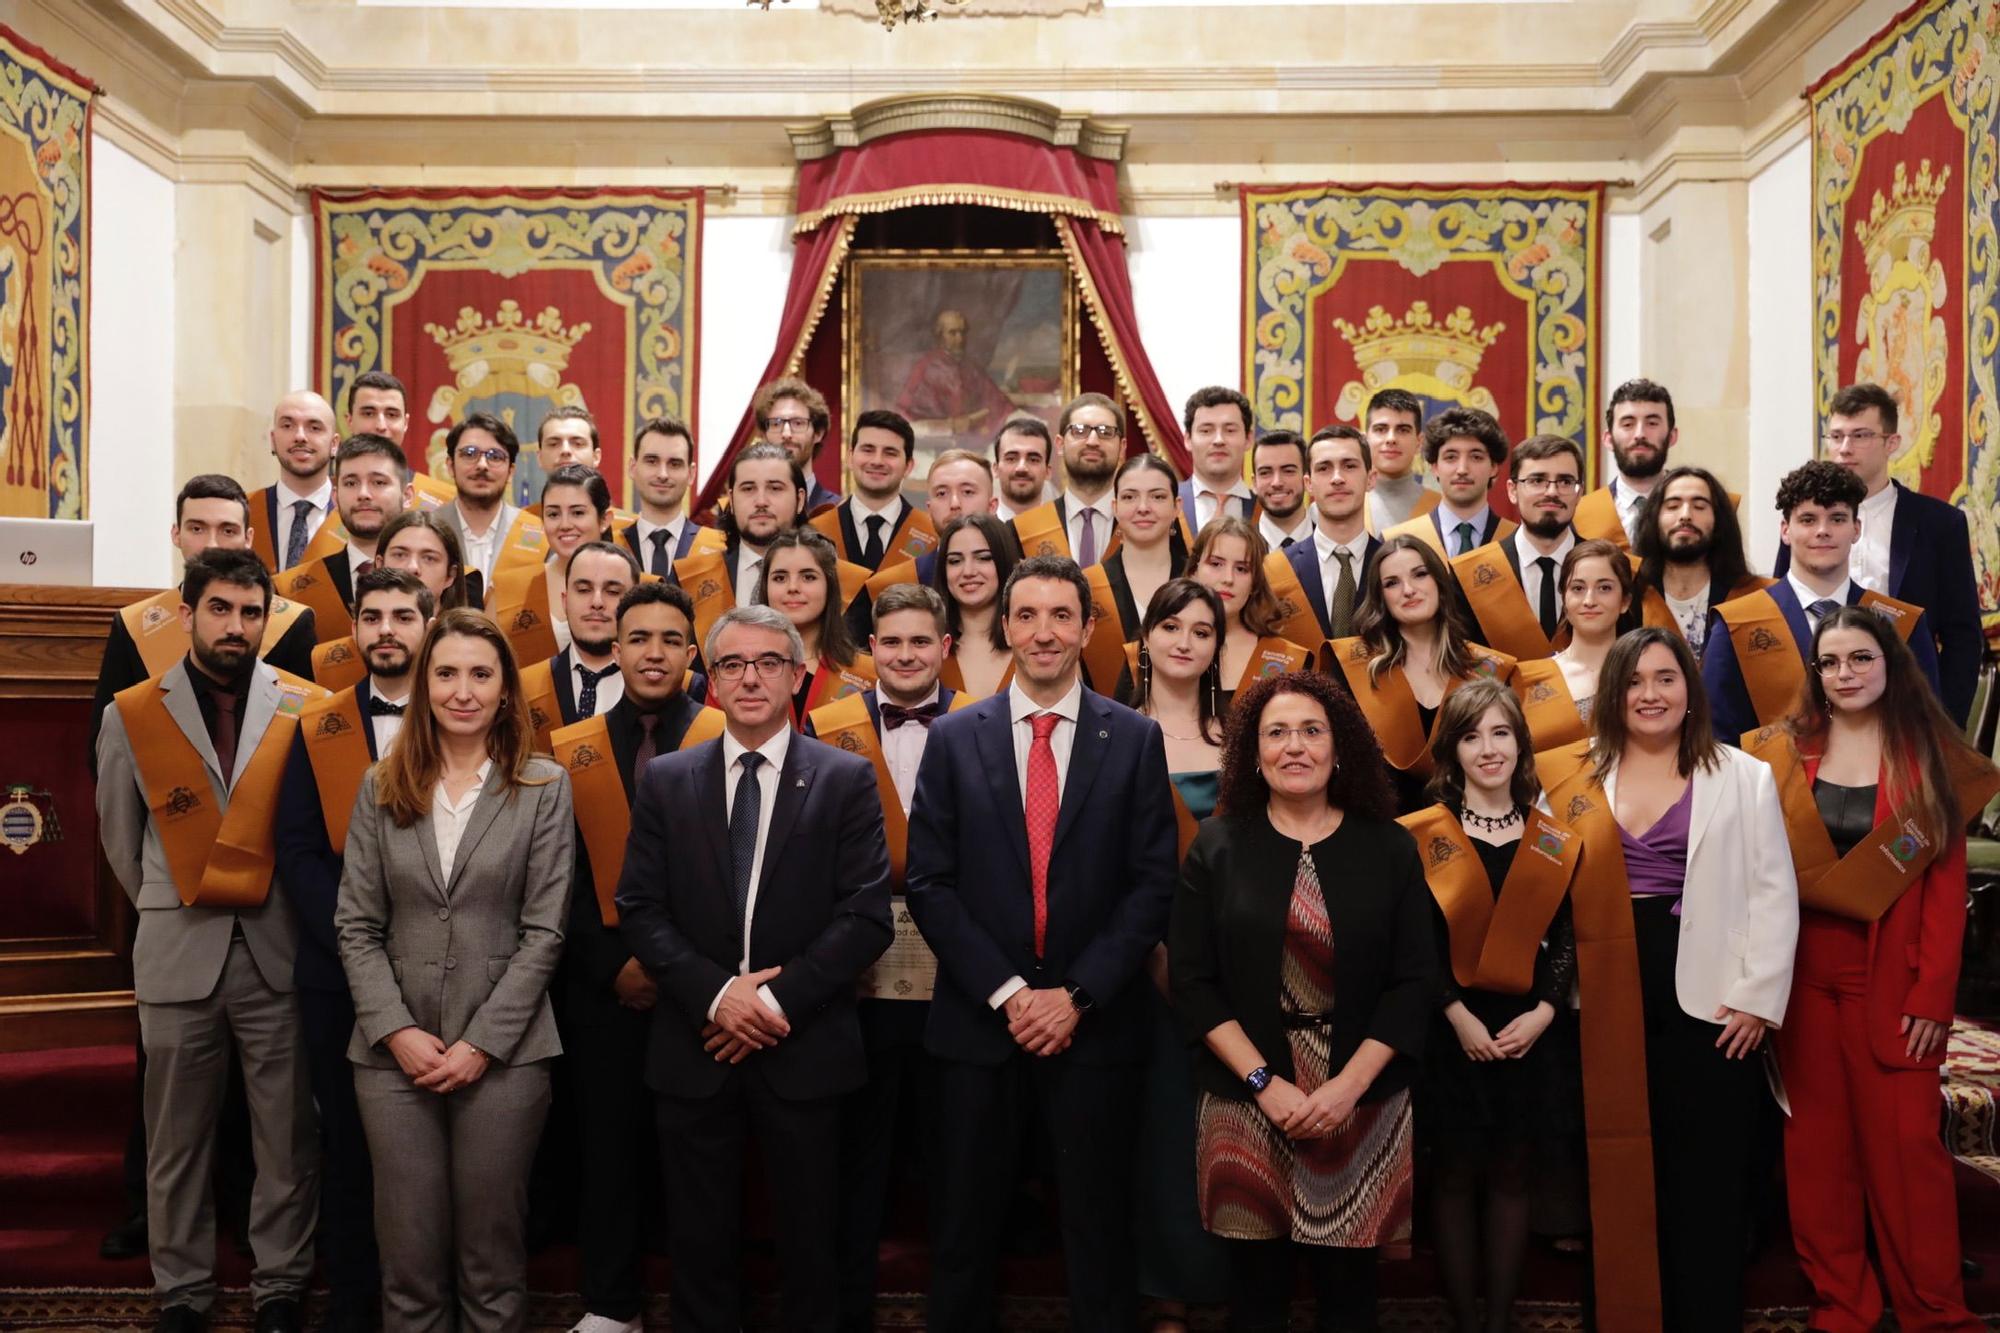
382,708
895,715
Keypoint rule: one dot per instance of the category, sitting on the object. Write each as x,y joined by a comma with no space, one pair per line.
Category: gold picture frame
1017,327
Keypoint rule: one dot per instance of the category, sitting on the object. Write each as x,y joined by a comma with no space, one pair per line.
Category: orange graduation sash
1273,657
832,682
953,679
1618,1124
1040,531
155,626
709,723
310,583
538,683
1548,705
263,542
520,606
1596,519
1865,883
337,747
1773,667
1495,940
1425,531
603,811
338,665
220,858
1104,650
526,546
916,535
705,575
1654,610
1299,624
1391,707
1500,603
428,493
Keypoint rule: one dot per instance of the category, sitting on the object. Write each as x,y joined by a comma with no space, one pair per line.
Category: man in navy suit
1218,424
662,467
1040,871
1819,529
755,892
392,611
1914,547
1329,565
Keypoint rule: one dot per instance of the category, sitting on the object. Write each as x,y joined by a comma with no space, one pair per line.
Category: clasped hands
1315,1115
433,1066
1041,1022
743,1022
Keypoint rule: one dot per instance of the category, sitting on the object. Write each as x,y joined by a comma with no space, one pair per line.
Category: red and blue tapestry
513,302
44,282
1476,296
1906,252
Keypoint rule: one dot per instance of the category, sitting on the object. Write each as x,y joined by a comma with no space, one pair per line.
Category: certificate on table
908,971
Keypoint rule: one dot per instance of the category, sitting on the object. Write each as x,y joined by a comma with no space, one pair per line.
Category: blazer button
450,963
444,914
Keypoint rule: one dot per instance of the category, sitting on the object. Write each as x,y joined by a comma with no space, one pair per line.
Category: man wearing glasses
1913,547
1078,523
482,449
792,414
1512,587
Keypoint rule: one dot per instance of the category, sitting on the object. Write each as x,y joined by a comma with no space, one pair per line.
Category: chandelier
891,12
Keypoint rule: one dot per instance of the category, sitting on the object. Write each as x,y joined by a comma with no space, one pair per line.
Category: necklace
1490,823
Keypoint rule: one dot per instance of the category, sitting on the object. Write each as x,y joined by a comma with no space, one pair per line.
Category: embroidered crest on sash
1484,575
586,755
1579,806
182,801
331,724
1762,640
1440,851
708,588
1541,692
849,742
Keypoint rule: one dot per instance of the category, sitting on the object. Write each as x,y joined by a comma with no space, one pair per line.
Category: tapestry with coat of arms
513,303
45,112
1906,252
1473,296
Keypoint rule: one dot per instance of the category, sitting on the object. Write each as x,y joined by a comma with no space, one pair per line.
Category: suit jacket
1722,675
1490,532
819,495
853,540
1228,945
593,953
342,576
1930,564
1740,898
123,667
179,953
1111,876
860,613
1304,557
308,864
630,536
1233,504
565,678
469,957
822,913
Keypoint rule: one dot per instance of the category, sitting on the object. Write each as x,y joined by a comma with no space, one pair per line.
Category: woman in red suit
1874,781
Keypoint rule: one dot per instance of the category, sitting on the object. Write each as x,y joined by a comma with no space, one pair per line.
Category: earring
1145,673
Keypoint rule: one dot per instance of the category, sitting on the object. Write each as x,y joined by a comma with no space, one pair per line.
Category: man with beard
1690,549
286,517
1638,430
1023,460
1218,423
1510,588
377,404
876,527
767,494
947,395
1278,473
583,679
339,737
371,485
483,449
1395,425
1328,568
608,997
1464,448
662,467
793,415
212,967
1078,523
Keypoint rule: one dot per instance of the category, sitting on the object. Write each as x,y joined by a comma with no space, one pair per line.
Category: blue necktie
586,698
1821,609
295,541
743,830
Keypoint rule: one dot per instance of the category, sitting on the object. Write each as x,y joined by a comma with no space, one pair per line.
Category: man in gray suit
212,964
482,449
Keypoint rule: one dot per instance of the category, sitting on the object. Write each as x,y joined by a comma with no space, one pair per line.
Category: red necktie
1044,803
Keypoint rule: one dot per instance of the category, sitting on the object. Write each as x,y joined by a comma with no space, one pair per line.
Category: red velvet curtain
967,167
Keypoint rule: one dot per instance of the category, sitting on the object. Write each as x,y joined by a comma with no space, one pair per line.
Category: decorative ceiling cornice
957,111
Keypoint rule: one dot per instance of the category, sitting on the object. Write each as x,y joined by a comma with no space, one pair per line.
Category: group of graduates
1220,856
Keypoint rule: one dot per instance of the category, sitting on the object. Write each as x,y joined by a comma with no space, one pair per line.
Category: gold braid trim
1093,303
1023,201
827,278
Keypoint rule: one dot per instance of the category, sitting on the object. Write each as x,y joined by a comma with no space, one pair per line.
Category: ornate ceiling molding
957,111
977,8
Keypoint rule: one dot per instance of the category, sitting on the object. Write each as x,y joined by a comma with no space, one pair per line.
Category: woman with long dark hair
976,553
1152,548
1557,692
1228,556
1877,786
576,509
800,576
1302,958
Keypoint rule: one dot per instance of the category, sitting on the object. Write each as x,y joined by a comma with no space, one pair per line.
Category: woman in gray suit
450,918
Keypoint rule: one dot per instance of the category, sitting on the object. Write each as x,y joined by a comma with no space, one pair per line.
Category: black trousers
1262,1273
701,1159
1704,1112
878,1138
618,1159
1089,1113
346,1239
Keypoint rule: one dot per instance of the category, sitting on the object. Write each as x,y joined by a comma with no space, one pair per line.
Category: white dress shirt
448,820
1869,564
355,557
610,689
773,751
1020,710
748,565
386,726
1329,563
1628,503
1275,536
482,551
321,500
1073,508
1807,596
645,528
1531,573
890,514
1207,502
903,750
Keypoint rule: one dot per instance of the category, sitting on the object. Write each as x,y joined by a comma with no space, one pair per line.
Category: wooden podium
65,924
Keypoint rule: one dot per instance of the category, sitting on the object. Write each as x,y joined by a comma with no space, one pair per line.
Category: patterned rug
1972,1094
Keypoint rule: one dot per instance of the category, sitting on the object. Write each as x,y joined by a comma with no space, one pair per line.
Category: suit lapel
631,539
425,833
1795,616
1086,756
850,536
794,785
484,811
1708,784
714,809
1304,556
565,683
1902,538
993,736
259,707
622,725
342,576
363,693
1187,505
185,708
688,530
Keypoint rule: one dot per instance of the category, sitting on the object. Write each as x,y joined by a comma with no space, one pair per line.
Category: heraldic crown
510,342
1908,214
1387,348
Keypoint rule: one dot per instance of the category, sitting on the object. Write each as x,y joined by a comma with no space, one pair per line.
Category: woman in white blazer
1685,902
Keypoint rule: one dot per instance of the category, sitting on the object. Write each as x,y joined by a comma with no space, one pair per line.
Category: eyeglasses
1537,482
770,666
1836,438
472,453
1860,663
789,425
1077,430
1312,733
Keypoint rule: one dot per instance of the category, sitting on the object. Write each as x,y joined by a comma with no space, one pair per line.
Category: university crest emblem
585,756
182,801
849,742
332,724
1441,850
1762,640
27,817
1485,574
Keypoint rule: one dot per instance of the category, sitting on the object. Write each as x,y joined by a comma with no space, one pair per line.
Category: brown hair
1263,614
1596,549
405,777
1170,599
1537,447
791,387
1916,732
454,554
1460,712
1698,748
1083,400
1378,629
1855,399
836,640
1360,783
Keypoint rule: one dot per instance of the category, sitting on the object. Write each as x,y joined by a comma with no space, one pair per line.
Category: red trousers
1862,1150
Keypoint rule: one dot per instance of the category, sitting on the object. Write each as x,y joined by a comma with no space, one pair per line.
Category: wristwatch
1079,997
1258,1079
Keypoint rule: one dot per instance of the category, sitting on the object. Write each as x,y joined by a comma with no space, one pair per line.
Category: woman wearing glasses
800,577
1877,787
576,508
975,556
1557,692
1301,957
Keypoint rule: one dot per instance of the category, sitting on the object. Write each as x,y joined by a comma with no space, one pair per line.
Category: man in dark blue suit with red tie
1041,867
